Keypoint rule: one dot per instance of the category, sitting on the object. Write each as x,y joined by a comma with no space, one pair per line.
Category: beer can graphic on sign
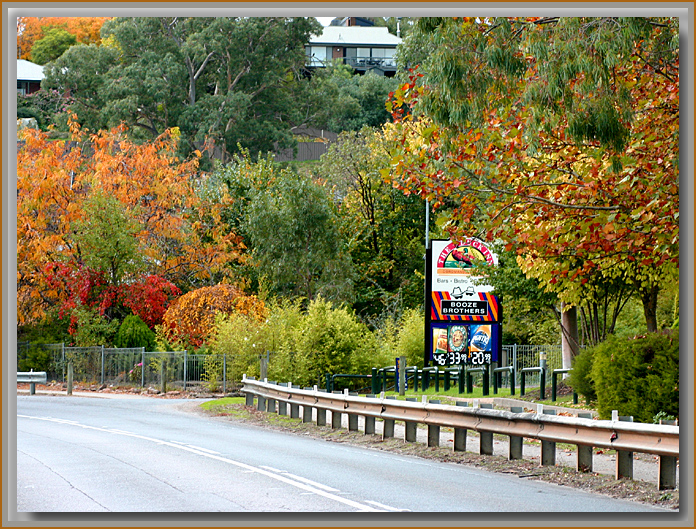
481,338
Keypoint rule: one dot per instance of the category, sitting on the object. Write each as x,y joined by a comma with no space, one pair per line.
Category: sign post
463,316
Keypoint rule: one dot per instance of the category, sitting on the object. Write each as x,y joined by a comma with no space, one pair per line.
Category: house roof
355,36
28,71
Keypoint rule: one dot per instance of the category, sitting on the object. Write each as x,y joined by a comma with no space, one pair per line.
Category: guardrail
585,433
33,378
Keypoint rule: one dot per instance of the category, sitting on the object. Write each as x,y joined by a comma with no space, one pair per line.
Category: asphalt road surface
77,454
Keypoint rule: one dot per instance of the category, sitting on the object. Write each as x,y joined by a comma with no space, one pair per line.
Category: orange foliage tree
30,29
191,319
182,238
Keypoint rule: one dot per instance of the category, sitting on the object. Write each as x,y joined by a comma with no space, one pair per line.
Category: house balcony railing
358,63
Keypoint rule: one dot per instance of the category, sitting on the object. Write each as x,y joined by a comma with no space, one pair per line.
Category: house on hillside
29,77
363,48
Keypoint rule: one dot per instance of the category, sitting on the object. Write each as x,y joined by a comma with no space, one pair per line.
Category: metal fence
137,367
522,356
129,367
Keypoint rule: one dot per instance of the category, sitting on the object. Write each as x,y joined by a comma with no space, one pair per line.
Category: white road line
300,478
279,477
387,507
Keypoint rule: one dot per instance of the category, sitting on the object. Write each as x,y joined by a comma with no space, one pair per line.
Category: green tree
106,238
294,231
79,76
52,45
385,227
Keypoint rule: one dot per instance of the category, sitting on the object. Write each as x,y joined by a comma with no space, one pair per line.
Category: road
77,454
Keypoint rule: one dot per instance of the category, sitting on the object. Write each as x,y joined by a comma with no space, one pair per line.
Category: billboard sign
455,290
463,323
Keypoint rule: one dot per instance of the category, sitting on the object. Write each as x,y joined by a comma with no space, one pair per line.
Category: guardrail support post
667,466
369,421
433,435
548,448
460,433
624,459
486,438
335,419
321,417
249,399
446,381
584,461
261,403
515,441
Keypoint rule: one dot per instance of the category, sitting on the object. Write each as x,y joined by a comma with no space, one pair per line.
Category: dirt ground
643,488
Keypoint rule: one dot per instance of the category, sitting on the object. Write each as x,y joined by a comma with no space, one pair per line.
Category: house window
318,55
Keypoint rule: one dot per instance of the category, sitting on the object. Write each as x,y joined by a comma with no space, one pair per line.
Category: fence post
142,367
185,369
163,374
224,373
70,377
102,364
375,381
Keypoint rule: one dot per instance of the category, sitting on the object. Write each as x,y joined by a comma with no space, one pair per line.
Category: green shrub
134,332
411,338
35,358
638,377
580,377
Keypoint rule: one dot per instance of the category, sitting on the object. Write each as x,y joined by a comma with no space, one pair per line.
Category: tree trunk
649,299
570,341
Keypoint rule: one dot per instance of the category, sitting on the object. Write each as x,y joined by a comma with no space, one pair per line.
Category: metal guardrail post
548,448
515,442
369,420
667,468
486,438
624,458
460,433
584,458
306,411
388,425
375,380
446,381
434,431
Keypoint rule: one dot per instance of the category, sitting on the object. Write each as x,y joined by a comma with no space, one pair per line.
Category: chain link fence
129,367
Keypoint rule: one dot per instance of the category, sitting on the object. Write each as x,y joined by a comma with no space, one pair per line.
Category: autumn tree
558,136
175,232
191,320
86,30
